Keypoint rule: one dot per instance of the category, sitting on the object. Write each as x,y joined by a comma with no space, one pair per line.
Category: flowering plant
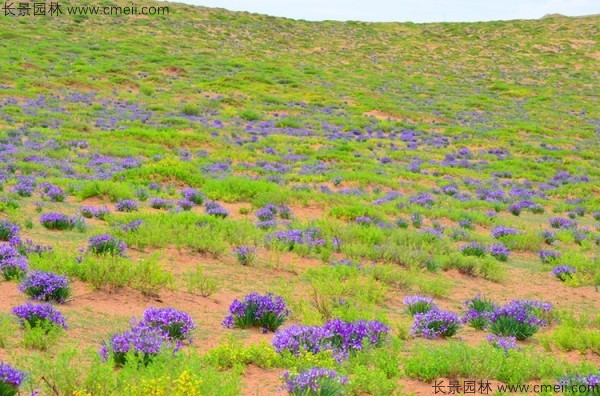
245,254
473,249
314,382
57,221
548,256
8,230
10,380
13,268
39,315
418,304
214,208
501,231
144,343
519,318
564,272
106,244
127,205
94,212
46,286
479,312
506,343
267,311
174,324
499,251
435,323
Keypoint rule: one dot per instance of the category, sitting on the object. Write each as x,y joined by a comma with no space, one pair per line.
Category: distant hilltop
547,16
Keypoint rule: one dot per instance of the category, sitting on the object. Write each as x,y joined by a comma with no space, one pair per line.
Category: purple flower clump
548,256
145,343
315,381
505,343
436,323
341,337
193,195
160,203
94,212
423,199
265,311
175,325
310,237
563,272
499,251
52,192
10,379
519,318
14,267
186,204
106,244
559,222
46,286
39,315
502,231
419,304
127,205
8,230
57,221
244,254
214,208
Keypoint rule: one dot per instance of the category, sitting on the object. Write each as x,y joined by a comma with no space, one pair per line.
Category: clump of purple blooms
418,304
502,231
46,286
39,315
563,272
584,383
10,379
175,325
473,249
505,343
499,251
94,212
24,186
132,226
549,236
559,222
8,230
14,267
310,237
214,208
57,221
245,255
342,338
52,192
435,323
267,311
185,204
424,199
106,244
548,256
160,203
127,205
314,382
193,195
143,343
479,312
363,220
519,318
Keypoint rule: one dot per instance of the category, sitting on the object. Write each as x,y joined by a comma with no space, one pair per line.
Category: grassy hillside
340,166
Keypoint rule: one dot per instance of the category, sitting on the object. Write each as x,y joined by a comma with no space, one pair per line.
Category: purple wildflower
266,311
563,272
502,231
315,381
106,244
45,286
174,324
435,323
127,205
499,251
39,315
